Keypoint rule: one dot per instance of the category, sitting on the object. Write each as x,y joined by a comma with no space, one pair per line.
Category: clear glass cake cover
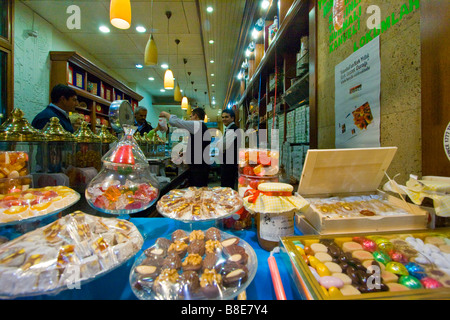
125,184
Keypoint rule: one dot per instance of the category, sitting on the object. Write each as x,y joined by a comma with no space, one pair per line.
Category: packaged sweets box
342,188
406,265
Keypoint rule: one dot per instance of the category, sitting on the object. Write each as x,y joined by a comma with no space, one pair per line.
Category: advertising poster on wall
357,98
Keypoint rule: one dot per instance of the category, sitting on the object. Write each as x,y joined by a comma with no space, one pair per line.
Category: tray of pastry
35,204
64,254
196,265
199,204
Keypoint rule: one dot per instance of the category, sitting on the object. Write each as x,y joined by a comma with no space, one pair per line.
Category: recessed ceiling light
212,74
164,66
211,61
140,29
139,66
151,78
104,29
211,41
213,85
210,9
265,4
162,90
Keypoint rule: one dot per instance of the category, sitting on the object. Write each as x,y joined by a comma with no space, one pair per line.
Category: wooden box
353,172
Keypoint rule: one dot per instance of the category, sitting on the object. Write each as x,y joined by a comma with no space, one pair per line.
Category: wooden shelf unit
296,19
94,87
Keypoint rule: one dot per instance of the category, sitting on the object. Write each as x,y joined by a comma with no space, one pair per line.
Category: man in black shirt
229,147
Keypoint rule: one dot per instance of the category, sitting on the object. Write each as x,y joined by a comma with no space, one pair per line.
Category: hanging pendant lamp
151,51
184,103
177,93
169,83
189,110
120,13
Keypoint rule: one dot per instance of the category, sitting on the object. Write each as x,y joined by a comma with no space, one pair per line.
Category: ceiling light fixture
177,93
210,9
265,4
139,66
168,76
211,61
211,41
140,29
151,51
104,29
151,78
120,13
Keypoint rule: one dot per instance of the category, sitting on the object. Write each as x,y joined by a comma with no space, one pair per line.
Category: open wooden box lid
332,171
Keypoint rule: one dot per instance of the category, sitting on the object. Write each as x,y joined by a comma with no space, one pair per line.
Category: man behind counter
64,100
140,116
198,165
229,148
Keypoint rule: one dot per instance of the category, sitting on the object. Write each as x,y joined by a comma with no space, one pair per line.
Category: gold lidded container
86,161
17,134
107,138
60,146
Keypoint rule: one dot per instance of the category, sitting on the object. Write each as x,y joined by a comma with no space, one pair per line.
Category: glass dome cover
125,184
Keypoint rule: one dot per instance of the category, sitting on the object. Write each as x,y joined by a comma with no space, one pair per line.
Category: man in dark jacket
140,116
64,100
229,148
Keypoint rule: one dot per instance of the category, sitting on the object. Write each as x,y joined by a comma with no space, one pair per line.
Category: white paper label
272,226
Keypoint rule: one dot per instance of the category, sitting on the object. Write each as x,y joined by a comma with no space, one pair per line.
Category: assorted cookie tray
199,204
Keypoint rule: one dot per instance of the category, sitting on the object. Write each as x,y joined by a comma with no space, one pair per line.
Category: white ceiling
121,50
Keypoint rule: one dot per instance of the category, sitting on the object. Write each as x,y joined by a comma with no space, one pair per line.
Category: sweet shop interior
224,150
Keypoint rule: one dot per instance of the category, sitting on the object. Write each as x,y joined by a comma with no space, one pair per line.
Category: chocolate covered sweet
147,271
196,246
189,284
172,261
165,283
196,235
212,261
153,260
163,243
211,283
230,242
213,246
213,234
235,277
180,235
193,262
178,247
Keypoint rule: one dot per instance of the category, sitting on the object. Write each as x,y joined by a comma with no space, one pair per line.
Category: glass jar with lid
125,184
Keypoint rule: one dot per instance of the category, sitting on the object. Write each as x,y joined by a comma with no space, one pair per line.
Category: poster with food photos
357,98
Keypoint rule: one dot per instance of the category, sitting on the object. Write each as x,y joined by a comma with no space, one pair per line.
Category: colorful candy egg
384,244
381,257
397,268
313,261
410,282
322,270
369,245
398,256
330,281
430,283
415,270
335,293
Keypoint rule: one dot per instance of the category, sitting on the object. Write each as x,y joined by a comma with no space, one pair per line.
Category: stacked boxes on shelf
290,126
292,159
281,129
302,124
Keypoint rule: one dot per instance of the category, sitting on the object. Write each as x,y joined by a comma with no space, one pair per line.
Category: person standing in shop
228,147
64,100
140,120
197,147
